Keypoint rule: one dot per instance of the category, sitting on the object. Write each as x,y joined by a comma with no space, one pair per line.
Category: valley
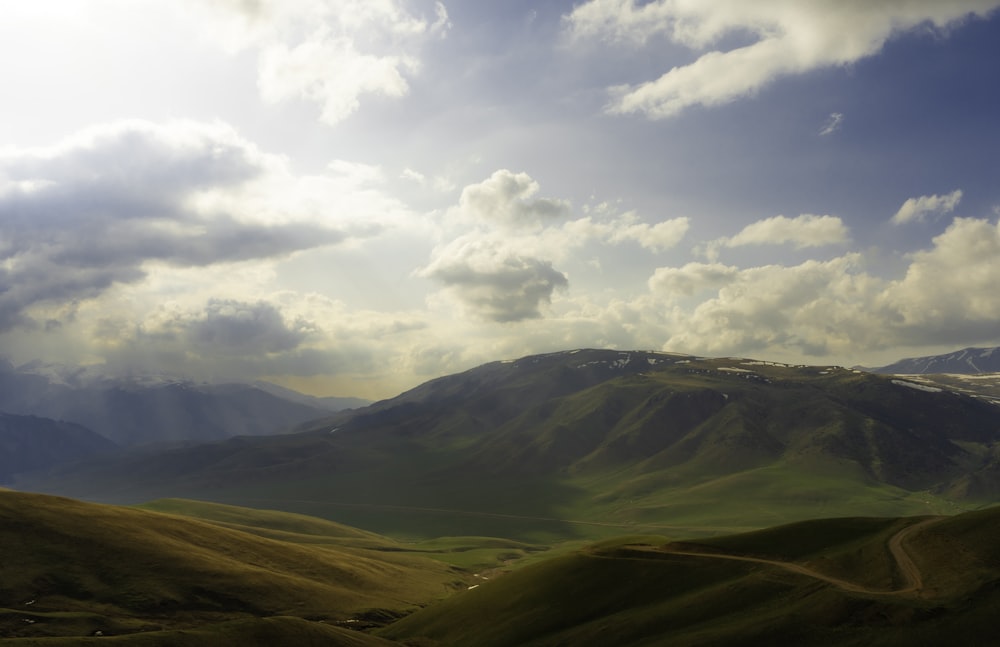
589,497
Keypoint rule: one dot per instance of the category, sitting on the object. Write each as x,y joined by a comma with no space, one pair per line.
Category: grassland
824,582
71,568
181,572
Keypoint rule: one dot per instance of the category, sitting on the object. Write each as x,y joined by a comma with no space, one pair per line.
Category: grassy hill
195,573
592,443
70,569
824,582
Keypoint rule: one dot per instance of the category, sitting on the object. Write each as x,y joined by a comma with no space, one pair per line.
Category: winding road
913,580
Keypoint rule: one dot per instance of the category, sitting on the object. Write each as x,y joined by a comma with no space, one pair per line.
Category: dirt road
910,573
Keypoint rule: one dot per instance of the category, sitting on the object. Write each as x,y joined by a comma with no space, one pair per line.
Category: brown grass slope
825,582
69,568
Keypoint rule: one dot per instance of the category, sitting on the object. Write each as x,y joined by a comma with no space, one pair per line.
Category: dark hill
555,442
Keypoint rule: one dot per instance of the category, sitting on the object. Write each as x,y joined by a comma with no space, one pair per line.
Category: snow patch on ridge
918,387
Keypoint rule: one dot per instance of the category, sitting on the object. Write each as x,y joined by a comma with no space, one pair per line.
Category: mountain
146,410
330,403
594,442
73,570
29,443
967,361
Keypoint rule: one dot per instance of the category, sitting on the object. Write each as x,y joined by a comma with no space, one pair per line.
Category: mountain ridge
597,436
972,361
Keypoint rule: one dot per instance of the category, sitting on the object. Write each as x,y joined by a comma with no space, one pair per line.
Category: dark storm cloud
229,326
79,217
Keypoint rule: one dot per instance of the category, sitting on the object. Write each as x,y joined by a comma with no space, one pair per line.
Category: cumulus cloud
331,52
788,37
507,198
917,209
691,278
950,291
946,297
806,230
98,208
494,281
500,263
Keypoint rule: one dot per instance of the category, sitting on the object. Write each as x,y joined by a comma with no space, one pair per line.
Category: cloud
832,124
691,278
506,198
97,209
789,37
949,294
626,227
947,297
917,209
228,326
806,230
499,263
331,52
493,281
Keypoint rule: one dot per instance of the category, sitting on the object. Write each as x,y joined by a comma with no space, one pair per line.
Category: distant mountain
330,403
610,437
29,443
970,361
146,410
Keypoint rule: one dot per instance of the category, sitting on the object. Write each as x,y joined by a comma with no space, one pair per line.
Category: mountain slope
559,444
968,361
30,443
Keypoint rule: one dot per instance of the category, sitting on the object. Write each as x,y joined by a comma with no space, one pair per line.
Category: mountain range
556,445
144,410
972,361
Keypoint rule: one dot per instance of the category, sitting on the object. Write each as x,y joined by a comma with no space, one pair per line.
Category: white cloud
949,293
947,297
806,230
691,278
506,198
789,37
331,52
917,209
627,227
832,124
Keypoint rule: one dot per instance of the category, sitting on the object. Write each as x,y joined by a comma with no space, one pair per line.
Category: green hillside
878,582
590,444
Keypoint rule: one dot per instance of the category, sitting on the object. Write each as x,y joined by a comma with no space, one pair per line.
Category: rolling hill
592,443
72,569
851,581
192,573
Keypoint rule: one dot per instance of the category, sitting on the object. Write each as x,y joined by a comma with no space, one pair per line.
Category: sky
350,197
